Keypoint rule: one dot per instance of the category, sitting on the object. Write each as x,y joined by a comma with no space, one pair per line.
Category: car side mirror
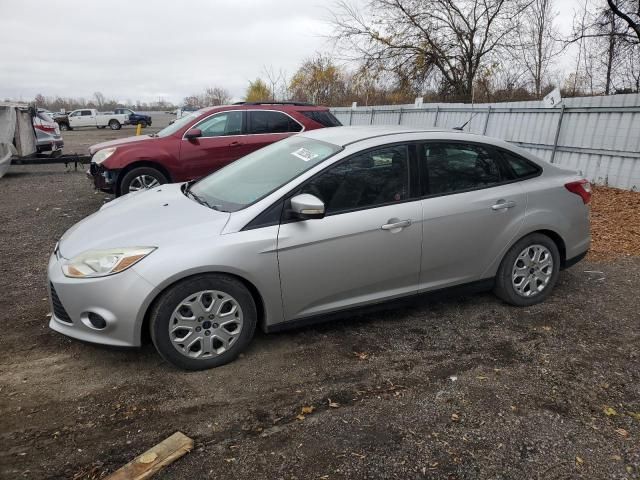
306,206
193,133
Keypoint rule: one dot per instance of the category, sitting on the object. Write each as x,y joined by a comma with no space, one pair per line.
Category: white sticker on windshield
304,154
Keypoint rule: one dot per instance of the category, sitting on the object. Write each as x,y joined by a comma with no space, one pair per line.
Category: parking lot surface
455,387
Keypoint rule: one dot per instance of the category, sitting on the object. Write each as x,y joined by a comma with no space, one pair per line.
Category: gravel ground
458,387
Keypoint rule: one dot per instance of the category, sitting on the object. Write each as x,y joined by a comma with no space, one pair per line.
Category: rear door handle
503,205
396,225
235,144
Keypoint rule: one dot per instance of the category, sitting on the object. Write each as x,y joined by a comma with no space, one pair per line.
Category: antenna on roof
461,128
473,91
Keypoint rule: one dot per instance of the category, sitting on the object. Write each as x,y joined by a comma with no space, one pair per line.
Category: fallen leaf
455,417
333,404
546,328
148,457
307,410
617,458
579,461
634,415
609,411
232,459
622,432
300,417
481,377
361,355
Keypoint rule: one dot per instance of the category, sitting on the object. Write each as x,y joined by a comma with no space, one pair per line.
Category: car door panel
463,233
216,148
348,259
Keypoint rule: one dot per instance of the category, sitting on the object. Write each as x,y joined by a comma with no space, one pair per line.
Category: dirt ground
460,387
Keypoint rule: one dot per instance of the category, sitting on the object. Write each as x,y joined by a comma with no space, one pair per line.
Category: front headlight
100,263
102,155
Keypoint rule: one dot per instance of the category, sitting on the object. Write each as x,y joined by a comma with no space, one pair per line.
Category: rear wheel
114,125
528,271
203,322
64,127
141,178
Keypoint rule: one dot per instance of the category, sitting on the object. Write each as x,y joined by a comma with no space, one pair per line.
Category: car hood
151,218
120,141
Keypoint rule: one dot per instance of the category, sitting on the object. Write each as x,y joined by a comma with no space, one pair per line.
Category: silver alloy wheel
532,270
205,324
143,181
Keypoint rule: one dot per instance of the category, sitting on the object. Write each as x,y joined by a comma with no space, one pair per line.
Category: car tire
140,178
529,271
114,125
189,336
142,123
64,127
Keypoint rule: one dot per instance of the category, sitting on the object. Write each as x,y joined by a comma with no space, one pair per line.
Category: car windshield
178,124
251,178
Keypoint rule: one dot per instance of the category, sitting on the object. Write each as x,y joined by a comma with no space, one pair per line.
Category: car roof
343,136
282,107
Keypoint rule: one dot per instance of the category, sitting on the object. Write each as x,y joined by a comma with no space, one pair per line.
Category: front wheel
64,127
114,125
141,178
528,271
203,322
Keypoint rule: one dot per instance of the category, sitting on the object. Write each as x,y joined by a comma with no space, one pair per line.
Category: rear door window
457,167
271,122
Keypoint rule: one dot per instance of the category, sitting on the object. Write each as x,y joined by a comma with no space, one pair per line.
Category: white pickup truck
90,117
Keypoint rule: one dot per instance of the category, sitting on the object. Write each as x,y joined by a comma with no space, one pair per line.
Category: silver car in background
321,222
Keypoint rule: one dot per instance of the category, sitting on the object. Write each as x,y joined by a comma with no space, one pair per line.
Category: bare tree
625,10
537,44
100,100
214,96
277,82
605,44
445,40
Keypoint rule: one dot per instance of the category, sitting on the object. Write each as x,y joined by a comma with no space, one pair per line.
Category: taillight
45,128
582,188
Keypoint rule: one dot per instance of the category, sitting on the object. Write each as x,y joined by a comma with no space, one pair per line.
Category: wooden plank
154,459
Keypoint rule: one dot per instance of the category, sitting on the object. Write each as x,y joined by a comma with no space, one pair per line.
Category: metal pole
486,121
350,115
400,117
435,120
373,111
555,142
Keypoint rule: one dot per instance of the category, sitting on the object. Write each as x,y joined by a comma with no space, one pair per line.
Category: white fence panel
598,135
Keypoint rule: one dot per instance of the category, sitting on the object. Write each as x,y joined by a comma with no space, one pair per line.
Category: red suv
199,143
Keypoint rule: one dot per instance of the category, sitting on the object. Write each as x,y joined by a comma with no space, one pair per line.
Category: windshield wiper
197,198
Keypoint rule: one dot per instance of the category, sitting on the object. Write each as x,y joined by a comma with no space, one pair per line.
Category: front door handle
503,205
396,225
235,144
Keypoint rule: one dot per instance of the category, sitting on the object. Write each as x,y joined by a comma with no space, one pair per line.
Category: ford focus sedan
319,223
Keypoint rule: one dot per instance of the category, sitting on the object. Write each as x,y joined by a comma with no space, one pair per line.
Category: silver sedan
316,224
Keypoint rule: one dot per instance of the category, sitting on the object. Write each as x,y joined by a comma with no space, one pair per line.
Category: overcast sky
143,50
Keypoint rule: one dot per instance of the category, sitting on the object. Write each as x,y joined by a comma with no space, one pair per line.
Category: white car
90,117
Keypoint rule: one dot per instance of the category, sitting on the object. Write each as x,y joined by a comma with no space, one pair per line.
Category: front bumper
120,299
102,178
